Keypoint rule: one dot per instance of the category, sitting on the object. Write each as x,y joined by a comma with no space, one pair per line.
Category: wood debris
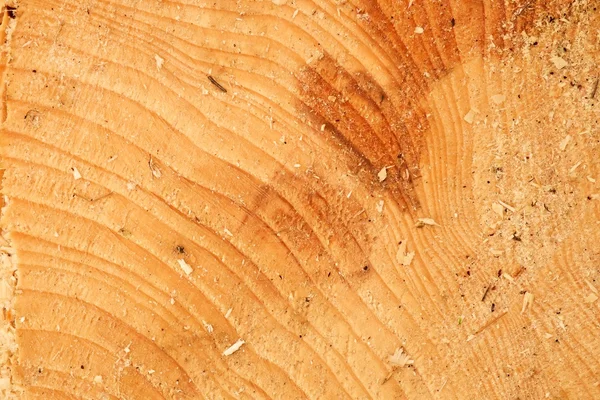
379,206
233,348
400,358
470,116
185,266
419,30
592,297
98,379
402,256
507,206
508,277
228,313
563,143
159,61
496,253
498,209
218,85
421,222
207,326
498,98
227,232
559,62
382,175
76,174
154,169
527,301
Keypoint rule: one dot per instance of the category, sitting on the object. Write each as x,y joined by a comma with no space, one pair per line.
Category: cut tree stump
287,199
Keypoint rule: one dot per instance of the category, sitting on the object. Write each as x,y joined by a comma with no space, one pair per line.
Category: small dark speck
452,22
34,71
82,367
493,307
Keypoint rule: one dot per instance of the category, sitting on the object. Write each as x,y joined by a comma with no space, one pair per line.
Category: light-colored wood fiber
296,199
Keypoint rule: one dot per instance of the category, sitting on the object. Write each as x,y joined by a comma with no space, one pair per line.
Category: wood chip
563,143
408,257
421,222
379,206
76,174
507,206
228,313
233,348
402,256
508,277
154,169
419,30
498,98
159,61
559,62
400,358
592,297
527,301
185,266
498,209
382,175
207,326
470,116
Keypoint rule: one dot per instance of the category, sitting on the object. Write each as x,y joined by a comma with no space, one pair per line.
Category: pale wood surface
121,158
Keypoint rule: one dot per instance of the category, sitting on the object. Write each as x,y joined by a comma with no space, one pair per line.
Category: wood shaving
400,358
507,206
294,14
527,302
159,61
496,253
508,277
185,266
592,297
228,313
98,379
155,170
402,256
470,116
382,175
498,209
379,206
419,30
233,348
207,326
470,337
589,178
559,62
563,143
227,232
76,174
498,98
421,222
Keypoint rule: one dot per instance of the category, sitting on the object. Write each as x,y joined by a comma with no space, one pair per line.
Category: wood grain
285,152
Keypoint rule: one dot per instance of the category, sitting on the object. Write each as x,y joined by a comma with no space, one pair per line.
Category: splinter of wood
217,84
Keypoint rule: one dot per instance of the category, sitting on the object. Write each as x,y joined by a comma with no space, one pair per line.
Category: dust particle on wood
233,348
185,266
